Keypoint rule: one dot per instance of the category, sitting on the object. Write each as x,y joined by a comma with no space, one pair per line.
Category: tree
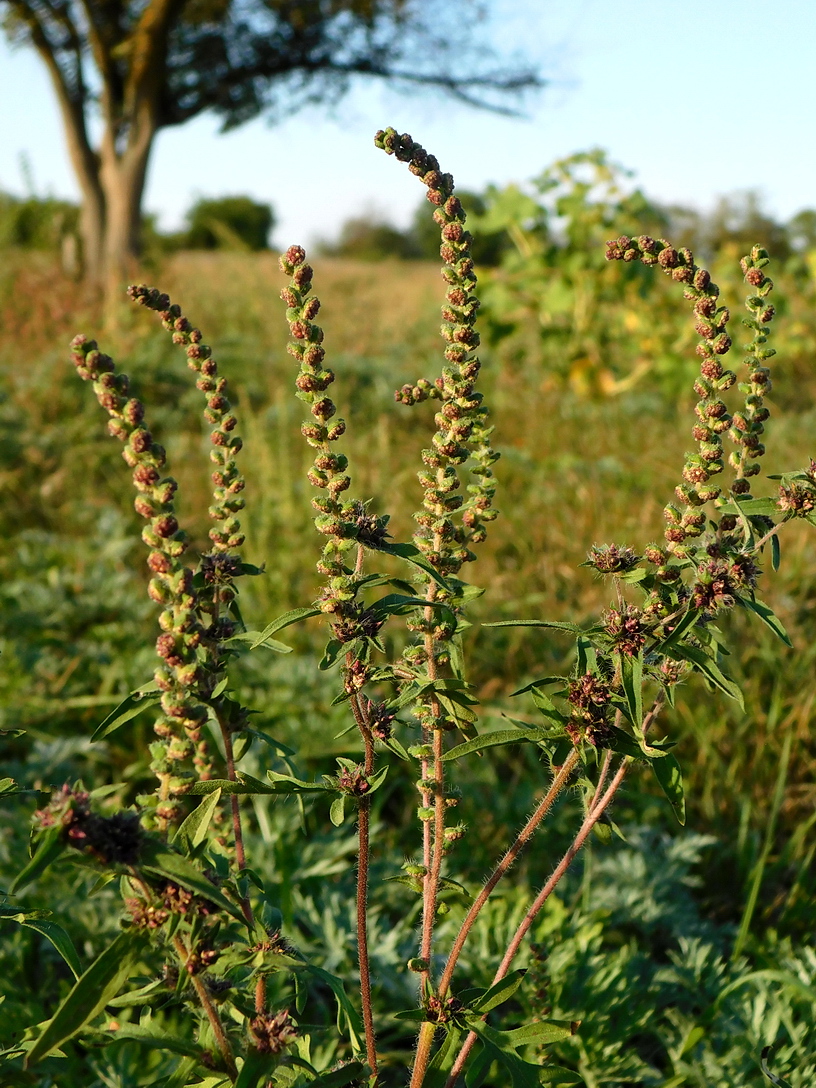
231,222
138,66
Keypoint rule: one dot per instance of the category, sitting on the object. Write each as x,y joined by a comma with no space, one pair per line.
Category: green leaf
687,620
441,1063
286,783
547,706
128,709
276,745
256,1070
586,656
416,1016
522,1074
499,993
49,849
56,935
776,552
668,774
288,618
571,627
180,870
347,1015
415,556
772,1077
337,812
142,996
244,785
332,652
768,616
338,1078
557,1074
751,508
155,1039
624,743
544,1031
709,668
490,740
90,994
631,669
256,639
193,830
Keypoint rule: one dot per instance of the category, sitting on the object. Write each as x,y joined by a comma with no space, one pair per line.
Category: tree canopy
142,65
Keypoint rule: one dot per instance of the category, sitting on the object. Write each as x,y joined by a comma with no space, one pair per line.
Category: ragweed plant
221,986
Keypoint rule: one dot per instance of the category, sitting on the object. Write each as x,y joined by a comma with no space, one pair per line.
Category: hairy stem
222,1042
432,855
596,810
523,837
364,836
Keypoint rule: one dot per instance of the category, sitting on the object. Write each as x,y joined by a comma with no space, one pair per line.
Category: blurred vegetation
642,938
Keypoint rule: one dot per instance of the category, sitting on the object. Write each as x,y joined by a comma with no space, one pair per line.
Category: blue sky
699,98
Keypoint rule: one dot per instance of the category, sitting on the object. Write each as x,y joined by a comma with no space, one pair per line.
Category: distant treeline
737,220
229,222
240,223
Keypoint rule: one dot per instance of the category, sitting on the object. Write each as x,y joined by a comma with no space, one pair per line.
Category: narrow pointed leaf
347,1015
155,1039
710,669
490,740
49,849
501,992
571,627
442,1062
130,706
415,556
751,508
90,994
339,1078
632,680
58,938
776,552
546,1031
768,616
668,774
686,621
256,639
193,830
286,620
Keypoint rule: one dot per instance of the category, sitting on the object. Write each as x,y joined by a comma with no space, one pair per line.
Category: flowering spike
712,415
179,677
450,524
748,424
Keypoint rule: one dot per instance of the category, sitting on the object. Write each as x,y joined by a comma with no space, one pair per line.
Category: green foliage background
588,374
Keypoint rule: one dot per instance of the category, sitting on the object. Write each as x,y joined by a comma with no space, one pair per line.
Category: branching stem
222,1042
523,837
363,858
596,810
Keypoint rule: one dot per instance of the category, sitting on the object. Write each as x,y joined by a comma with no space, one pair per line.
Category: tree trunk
123,179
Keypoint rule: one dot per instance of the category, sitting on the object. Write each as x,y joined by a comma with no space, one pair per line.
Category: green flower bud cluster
229,483
748,425
449,523
712,415
179,676
340,520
